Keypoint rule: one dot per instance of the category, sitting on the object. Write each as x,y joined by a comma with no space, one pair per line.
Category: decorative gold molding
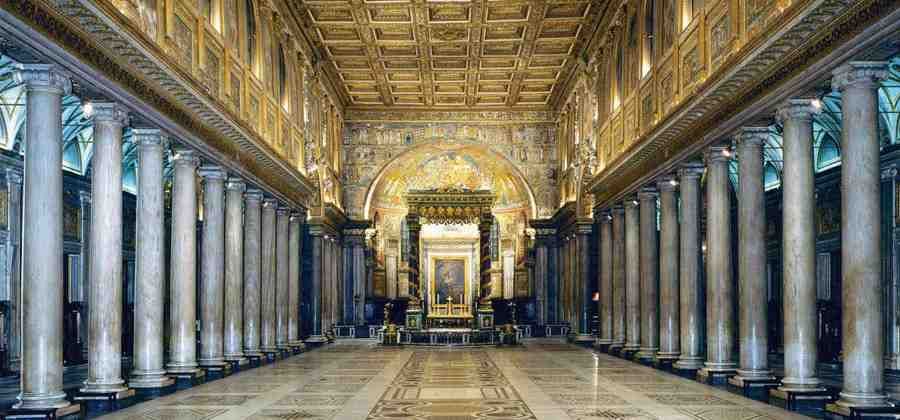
356,115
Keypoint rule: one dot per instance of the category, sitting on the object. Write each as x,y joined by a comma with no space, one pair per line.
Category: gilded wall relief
183,37
212,70
720,36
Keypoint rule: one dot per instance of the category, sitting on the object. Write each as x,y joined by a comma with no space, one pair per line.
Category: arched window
617,72
72,158
829,153
770,177
648,48
251,34
689,10
666,25
632,50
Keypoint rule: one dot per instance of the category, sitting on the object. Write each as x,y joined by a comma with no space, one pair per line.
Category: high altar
449,259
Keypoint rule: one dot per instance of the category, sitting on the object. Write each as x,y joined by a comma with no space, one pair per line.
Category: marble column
252,280
282,267
862,289
267,277
799,242
669,332
14,271
294,273
619,302
42,239
632,276
752,287
105,319
183,282
316,283
691,316
649,268
720,300
150,262
581,270
212,271
233,319
605,270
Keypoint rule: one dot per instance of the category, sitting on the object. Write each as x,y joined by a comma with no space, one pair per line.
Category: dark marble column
318,249
632,276
581,267
619,301
267,276
604,280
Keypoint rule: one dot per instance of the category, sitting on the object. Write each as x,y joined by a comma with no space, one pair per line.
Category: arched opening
250,35
283,93
648,49
631,51
829,153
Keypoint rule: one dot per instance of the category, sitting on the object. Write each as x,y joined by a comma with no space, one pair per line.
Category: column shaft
720,292
862,289
691,316
14,252
233,321
282,267
649,267
212,279
42,239
182,285
799,242
619,302
605,304
267,275
669,333
752,287
294,270
632,276
149,298
316,283
252,277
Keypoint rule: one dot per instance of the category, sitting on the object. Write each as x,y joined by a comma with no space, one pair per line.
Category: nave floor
544,379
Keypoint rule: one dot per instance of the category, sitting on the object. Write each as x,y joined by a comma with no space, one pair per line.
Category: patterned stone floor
543,379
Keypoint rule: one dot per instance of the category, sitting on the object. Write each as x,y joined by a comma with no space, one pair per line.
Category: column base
147,394
297,347
628,353
756,388
602,345
237,364
185,380
316,339
270,356
97,403
149,380
254,360
689,363
805,401
841,412
665,361
585,339
615,348
686,373
70,412
715,375
646,355
217,371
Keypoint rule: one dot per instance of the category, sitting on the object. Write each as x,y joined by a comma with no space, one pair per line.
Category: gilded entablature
453,54
514,160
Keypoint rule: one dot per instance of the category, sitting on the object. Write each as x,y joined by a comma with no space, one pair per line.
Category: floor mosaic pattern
544,379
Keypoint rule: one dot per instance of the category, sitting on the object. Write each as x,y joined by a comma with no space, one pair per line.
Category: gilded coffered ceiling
448,54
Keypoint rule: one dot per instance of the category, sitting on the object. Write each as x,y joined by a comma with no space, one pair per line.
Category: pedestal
238,365
485,317
73,412
840,412
807,401
254,360
413,319
147,394
714,377
217,372
753,388
187,380
97,403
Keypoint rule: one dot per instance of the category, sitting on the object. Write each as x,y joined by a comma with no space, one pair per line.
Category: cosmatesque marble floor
543,379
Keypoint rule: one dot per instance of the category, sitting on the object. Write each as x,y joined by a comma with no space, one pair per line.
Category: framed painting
449,287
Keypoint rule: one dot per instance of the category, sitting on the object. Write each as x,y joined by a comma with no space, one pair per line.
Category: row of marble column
249,281
652,298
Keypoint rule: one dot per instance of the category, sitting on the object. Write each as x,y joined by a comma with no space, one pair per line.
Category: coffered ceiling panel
449,53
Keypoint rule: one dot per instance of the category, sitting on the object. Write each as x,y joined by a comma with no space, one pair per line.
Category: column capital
691,170
801,109
212,173
283,211
43,77
864,74
617,210
605,216
270,203
149,137
13,176
630,202
297,217
717,154
752,136
253,195
106,112
235,184
185,157
667,183
648,193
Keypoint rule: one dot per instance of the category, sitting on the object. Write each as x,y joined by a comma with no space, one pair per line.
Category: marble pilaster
14,271
149,289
